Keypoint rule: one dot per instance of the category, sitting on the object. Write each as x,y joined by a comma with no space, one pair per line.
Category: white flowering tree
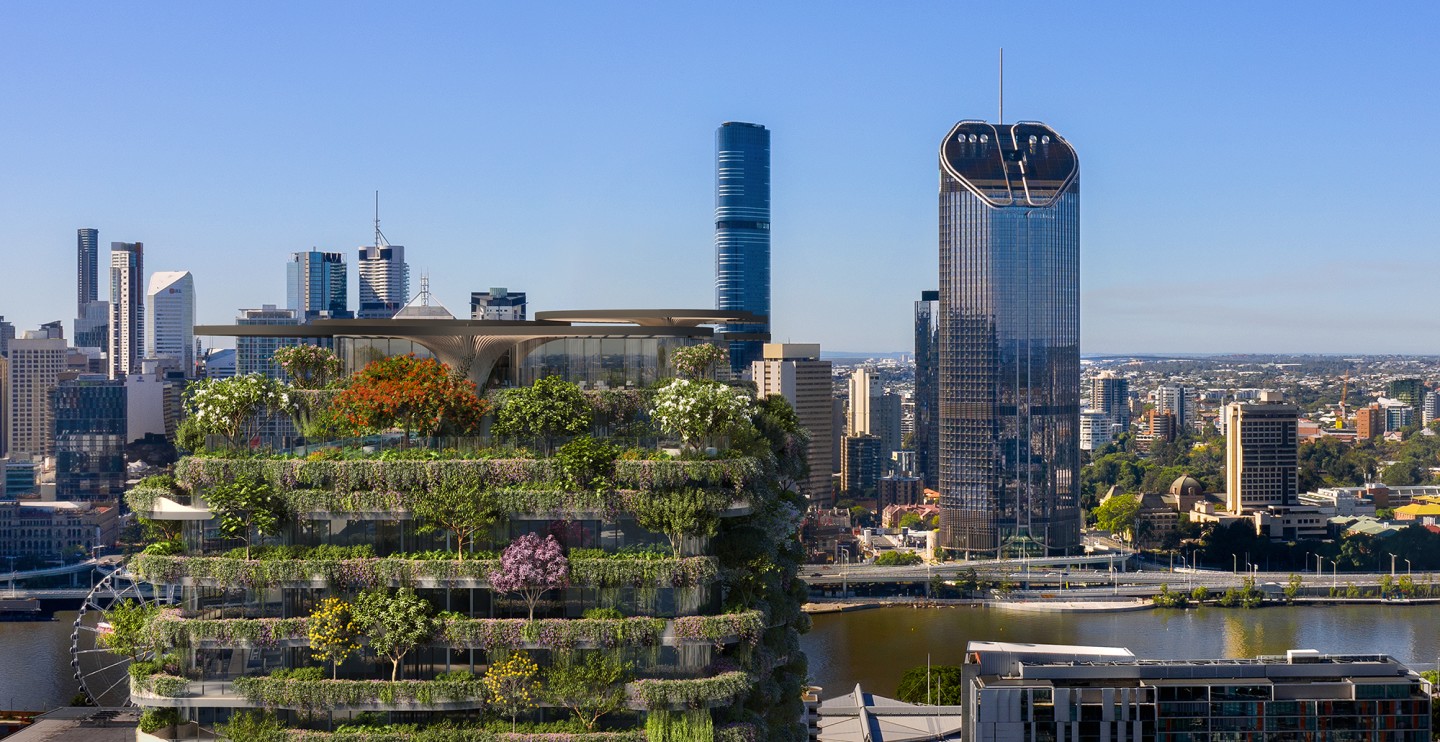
699,411
225,407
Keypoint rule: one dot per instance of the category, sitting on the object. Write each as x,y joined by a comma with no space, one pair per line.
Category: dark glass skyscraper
742,234
1009,340
927,387
87,267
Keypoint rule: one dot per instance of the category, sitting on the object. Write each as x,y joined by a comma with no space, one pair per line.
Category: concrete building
927,388
1025,692
35,367
52,529
1261,453
1369,422
384,280
1110,394
170,319
1095,430
1179,401
90,437
742,236
252,354
127,307
7,333
860,466
317,285
499,303
1399,417
898,489
1430,409
6,400
795,372
1009,229
864,391
1160,427
219,363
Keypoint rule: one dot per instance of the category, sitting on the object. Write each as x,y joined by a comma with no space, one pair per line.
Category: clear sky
1254,176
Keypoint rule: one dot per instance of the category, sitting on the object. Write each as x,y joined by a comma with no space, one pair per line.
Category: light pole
1319,565
1392,565
1408,573
1235,564
1334,575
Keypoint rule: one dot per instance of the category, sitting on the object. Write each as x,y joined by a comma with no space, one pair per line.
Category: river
874,647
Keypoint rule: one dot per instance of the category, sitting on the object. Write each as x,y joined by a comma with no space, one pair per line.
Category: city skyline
1167,100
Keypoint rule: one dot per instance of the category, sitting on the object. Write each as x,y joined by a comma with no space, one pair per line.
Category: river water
874,647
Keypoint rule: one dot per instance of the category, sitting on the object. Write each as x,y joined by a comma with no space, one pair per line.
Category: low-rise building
33,528
1022,692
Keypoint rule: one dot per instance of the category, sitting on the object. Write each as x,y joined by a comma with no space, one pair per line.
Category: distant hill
842,355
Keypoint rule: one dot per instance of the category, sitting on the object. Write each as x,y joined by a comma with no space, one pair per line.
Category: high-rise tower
127,307
87,267
170,318
742,235
384,281
316,283
1009,340
927,388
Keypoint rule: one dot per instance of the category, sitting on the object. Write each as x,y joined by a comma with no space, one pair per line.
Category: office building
92,327
742,236
927,388
87,268
35,367
1160,427
170,319
90,437
860,467
898,489
1055,693
1409,391
795,372
1261,453
1095,430
498,303
219,363
317,285
384,280
1431,409
7,333
5,402
50,530
864,391
1178,401
1398,417
1009,340
127,308
1110,394
253,354
839,422
885,421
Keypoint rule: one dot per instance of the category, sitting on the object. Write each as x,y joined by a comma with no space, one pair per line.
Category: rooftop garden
481,485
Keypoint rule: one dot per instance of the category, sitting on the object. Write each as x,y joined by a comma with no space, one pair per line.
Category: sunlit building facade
742,235
1009,340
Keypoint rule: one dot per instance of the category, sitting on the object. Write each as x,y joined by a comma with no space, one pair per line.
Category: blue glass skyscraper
1009,340
742,235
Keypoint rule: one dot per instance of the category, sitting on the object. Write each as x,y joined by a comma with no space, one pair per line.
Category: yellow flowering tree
512,685
334,633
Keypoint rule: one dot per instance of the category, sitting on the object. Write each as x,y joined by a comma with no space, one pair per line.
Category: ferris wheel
104,673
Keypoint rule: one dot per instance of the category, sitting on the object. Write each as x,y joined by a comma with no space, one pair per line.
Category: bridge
103,563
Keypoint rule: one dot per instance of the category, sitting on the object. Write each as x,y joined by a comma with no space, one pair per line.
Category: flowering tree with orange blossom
412,394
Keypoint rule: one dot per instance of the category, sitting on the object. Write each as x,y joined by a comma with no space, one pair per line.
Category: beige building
35,368
864,393
1261,453
50,529
795,372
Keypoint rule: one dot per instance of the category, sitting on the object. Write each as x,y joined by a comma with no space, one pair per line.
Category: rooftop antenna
380,240
1001,120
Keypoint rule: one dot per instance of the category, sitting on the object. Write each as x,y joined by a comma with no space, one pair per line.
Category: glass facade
90,430
927,388
742,232
315,282
1009,308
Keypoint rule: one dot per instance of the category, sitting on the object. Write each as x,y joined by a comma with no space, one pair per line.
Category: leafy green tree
395,623
696,513
898,559
463,512
587,463
251,726
545,411
1292,588
1118,514
1402,473
333,632
246,507
944,686
1200,594
590,688
129,629
912,521
308,366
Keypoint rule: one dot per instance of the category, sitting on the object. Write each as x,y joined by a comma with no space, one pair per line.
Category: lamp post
1234,564
1408,573
1319,565
1334,574
1392,565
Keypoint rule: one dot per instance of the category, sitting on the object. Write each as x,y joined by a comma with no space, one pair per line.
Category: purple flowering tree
532,567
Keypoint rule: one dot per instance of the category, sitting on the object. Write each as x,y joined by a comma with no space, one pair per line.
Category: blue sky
1255,176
